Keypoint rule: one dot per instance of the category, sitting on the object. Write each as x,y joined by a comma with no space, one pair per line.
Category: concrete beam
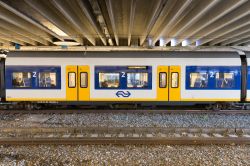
242,41
65,9
11,39
236,38
46,10
11,34
19,22
227,29
131,19
160,11
28,19
199,11
91,18
22,32
179,9
112,20
232,34
221,22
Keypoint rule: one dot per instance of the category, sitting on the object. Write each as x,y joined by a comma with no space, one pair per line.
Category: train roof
127,54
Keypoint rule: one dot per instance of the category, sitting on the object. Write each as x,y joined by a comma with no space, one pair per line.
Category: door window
162,80
72,80
84,80
175,80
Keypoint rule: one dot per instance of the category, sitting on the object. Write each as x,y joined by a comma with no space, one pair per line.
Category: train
215,79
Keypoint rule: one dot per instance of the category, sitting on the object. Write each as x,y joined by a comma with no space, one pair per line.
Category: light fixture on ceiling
66,42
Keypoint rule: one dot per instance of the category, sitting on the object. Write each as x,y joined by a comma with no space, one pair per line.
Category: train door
174,83
162,90
168,83
83,83
77,83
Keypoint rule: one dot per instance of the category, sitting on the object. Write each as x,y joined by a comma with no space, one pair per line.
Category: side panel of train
166,79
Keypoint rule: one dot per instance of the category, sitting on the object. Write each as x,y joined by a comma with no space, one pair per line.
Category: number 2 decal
211,74
34,74
123,74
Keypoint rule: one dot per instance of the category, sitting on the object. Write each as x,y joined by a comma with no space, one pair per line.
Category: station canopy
140,23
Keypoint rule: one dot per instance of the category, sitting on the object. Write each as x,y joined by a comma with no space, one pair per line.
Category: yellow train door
71,83
77,83
174,83
83,83
162,85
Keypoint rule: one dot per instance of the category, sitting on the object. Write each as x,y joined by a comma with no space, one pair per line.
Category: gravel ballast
125,155
127,120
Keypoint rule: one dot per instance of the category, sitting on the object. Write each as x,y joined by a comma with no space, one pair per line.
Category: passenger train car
154,78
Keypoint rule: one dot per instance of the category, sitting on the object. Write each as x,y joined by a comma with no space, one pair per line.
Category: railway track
123,136
80,111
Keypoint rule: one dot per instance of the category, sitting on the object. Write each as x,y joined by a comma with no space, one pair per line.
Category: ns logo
123,94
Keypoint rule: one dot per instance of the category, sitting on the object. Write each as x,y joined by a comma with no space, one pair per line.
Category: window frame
198,87
19,87
136,87
161,79
75,79
119,75
177,80
85,80
223,75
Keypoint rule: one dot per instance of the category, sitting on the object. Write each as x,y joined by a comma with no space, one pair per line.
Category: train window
84,80
224,80
21,79
72,80
109,80
137,80
162,80
47,79
175,80
198,80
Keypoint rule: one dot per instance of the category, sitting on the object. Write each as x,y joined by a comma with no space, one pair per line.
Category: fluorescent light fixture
197,43
66,43
173,42
162,42
185,42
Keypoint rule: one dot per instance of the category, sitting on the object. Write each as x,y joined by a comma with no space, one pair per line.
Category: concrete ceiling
125,22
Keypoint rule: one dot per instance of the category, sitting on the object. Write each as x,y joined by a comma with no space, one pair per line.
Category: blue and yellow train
151,77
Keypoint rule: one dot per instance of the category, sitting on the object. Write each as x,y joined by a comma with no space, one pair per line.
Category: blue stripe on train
211,72
34,70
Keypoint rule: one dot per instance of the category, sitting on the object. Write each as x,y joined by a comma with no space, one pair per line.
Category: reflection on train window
72,80
84,80
224,80
47,79
137,80
109,80
163,80
175,80
21,79
198,80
